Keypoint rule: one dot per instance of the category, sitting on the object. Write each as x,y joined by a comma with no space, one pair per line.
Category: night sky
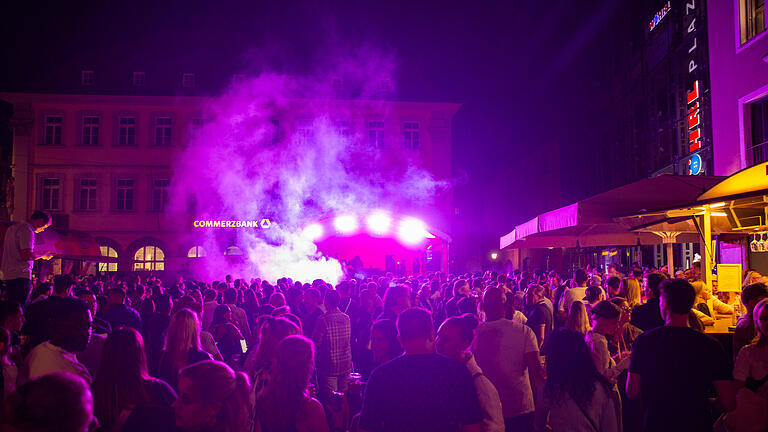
528,75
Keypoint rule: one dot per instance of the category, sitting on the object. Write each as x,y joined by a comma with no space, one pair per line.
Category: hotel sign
659,16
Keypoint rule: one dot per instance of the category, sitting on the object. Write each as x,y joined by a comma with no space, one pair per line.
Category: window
109,252
87,77
163,131
87,194
233,250
196,252
149,258
304,132
125,192
343,129
411,135
53,130
751,19
139,78
160,194
188,80
757,147
376,134
51,194
127,133
91,130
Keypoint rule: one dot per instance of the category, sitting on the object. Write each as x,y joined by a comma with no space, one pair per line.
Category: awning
590,222
66,244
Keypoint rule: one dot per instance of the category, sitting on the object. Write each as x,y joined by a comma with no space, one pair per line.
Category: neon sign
694,118
659,16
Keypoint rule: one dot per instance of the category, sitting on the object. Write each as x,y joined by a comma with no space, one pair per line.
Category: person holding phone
18,256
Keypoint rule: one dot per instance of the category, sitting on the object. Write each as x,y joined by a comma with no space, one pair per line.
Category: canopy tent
590,222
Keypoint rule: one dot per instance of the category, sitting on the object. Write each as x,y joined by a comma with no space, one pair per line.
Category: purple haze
272,146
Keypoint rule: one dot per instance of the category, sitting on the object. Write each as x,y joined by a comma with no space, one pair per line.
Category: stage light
345,224
412,231
313,231
378,223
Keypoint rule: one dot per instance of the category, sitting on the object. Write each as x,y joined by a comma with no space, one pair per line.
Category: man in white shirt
575,293
70,332
18,256
209,297
507,352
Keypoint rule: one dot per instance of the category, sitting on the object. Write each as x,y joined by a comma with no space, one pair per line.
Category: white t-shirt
752,361
48,358
18,237
570,296
567,416
499,348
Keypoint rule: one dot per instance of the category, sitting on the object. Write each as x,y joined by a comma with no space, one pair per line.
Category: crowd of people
526,351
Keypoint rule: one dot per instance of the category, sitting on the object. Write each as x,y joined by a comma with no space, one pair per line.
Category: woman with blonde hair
212,397
703,294
629,288
578,320
285,404
182,346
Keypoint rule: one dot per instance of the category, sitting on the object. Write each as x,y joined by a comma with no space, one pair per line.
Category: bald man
507,352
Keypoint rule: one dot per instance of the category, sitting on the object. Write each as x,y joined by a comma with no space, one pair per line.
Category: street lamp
494,255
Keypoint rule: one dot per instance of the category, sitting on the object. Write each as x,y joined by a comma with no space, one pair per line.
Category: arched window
149,258
196,252
233,250
107,251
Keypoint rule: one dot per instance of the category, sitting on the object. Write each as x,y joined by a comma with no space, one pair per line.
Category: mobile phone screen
243,345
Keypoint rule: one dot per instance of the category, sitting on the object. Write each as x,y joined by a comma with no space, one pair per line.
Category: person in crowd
420,390
613,286
594,295
626,333
576,396
313,311
334,353
70,331
100,325
9,371
508,352
182,346
751,366
259,362
461,290
209,305
119,314
285,404
124,393
576,293
648,316
41,292
453,340
605,323
12,319
226,334
58,401
630,290
251,306
540,317
212,397
745,330
513,302
19,255
752,277
156,328
239,317
384,343
397,298
675,393
37,314
578,319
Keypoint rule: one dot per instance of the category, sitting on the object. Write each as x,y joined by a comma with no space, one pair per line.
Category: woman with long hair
226,333
212,397
384,343
576,396
123,392
259,362
578,320
453,340
285,404
182,346
629,288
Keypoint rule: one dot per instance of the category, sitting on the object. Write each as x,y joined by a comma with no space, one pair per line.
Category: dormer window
188,80
87,77
138,79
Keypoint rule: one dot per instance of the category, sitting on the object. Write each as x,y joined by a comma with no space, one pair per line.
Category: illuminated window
411,135
233,250
149,258
53,130
107,251
751,19
196,252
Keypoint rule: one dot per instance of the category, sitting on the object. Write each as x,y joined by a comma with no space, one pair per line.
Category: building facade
103,164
